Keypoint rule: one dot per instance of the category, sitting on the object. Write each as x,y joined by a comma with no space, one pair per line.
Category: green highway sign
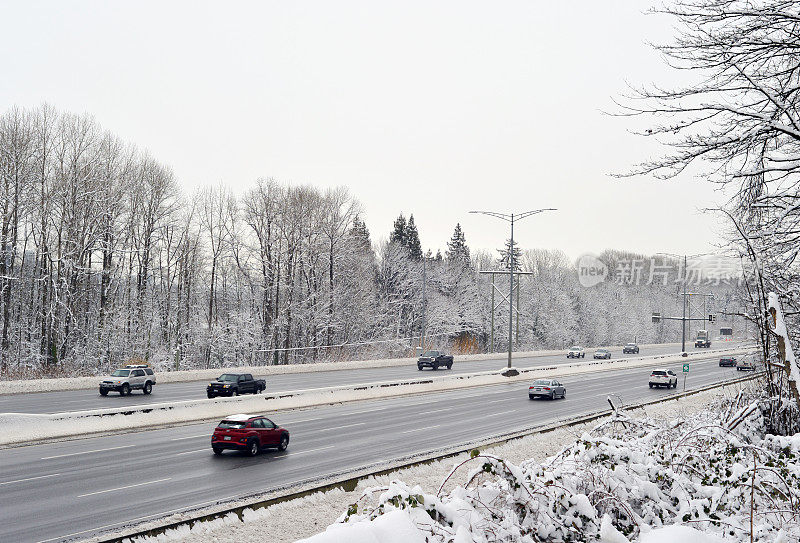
686,368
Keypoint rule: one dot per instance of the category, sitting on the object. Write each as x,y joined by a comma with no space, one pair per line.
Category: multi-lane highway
77,400
76,489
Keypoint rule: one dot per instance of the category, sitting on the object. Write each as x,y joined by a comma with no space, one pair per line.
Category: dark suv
249,433
729,361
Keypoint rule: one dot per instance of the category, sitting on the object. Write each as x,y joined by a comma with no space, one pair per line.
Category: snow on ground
81,383
304,517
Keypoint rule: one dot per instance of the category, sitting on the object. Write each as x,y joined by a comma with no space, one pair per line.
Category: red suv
249,433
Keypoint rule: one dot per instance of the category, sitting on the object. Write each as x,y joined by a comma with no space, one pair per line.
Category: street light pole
510,217
683,321
511,292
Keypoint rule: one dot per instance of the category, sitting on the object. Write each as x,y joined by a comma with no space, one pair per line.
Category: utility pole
511,292
424,305
657,317
510,217
683,322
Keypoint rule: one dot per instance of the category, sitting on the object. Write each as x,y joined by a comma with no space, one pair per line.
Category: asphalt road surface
76,489
79,400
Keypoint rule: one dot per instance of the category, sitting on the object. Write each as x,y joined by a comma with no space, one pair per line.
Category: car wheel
216,450
252,447
651,385
104,393
126,390
435,367
148,388
284,443
450,366
209,395
419,368
564,394
531,397
553,395
235,392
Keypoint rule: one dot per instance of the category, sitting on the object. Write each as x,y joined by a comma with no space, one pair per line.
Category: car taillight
547,388
530,388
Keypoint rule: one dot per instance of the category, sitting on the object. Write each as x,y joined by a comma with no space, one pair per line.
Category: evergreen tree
360,235
398,235
457,250
412,240
505,260
438,255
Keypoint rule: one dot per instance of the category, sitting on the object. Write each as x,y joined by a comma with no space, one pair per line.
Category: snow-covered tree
457,250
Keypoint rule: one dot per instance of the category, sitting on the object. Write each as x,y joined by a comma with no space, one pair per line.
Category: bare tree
737,123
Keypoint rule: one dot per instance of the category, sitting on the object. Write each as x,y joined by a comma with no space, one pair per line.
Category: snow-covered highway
75,489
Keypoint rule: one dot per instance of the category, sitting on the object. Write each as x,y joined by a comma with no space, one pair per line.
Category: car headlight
225,386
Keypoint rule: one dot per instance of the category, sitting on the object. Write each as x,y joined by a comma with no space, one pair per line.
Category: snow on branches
616,483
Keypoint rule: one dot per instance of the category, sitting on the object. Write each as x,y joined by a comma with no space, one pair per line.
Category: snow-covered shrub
716,472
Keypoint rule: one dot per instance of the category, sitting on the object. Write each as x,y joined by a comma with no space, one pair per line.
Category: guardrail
23,427
348,480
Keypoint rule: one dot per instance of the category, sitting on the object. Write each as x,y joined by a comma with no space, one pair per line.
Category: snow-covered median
676,475
23,427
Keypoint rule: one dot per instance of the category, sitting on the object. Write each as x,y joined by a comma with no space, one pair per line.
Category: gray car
603,353
547,388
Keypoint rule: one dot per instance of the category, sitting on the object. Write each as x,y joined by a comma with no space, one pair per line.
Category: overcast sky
430,108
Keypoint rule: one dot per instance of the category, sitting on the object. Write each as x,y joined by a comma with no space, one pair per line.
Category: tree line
105,260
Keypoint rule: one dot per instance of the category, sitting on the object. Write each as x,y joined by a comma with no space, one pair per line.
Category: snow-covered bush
716,472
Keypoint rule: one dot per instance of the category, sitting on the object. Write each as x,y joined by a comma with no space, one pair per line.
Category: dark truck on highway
233,384
434,360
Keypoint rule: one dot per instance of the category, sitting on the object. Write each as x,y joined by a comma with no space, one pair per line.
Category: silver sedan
547,388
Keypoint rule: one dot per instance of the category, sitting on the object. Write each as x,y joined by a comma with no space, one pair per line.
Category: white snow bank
394,527
679,534
80,383
23,427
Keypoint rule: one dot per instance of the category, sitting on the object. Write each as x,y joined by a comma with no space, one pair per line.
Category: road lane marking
420,429
340,427
495,414
190,437
124,487
304,452
88,452
29,479
192,452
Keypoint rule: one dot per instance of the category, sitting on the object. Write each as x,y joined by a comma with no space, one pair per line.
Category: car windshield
228,377
574,348
631,345
541,382
658,372
602,350
431,354
121,373
232,424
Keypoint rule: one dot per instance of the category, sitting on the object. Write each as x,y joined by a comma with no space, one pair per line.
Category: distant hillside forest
104,260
